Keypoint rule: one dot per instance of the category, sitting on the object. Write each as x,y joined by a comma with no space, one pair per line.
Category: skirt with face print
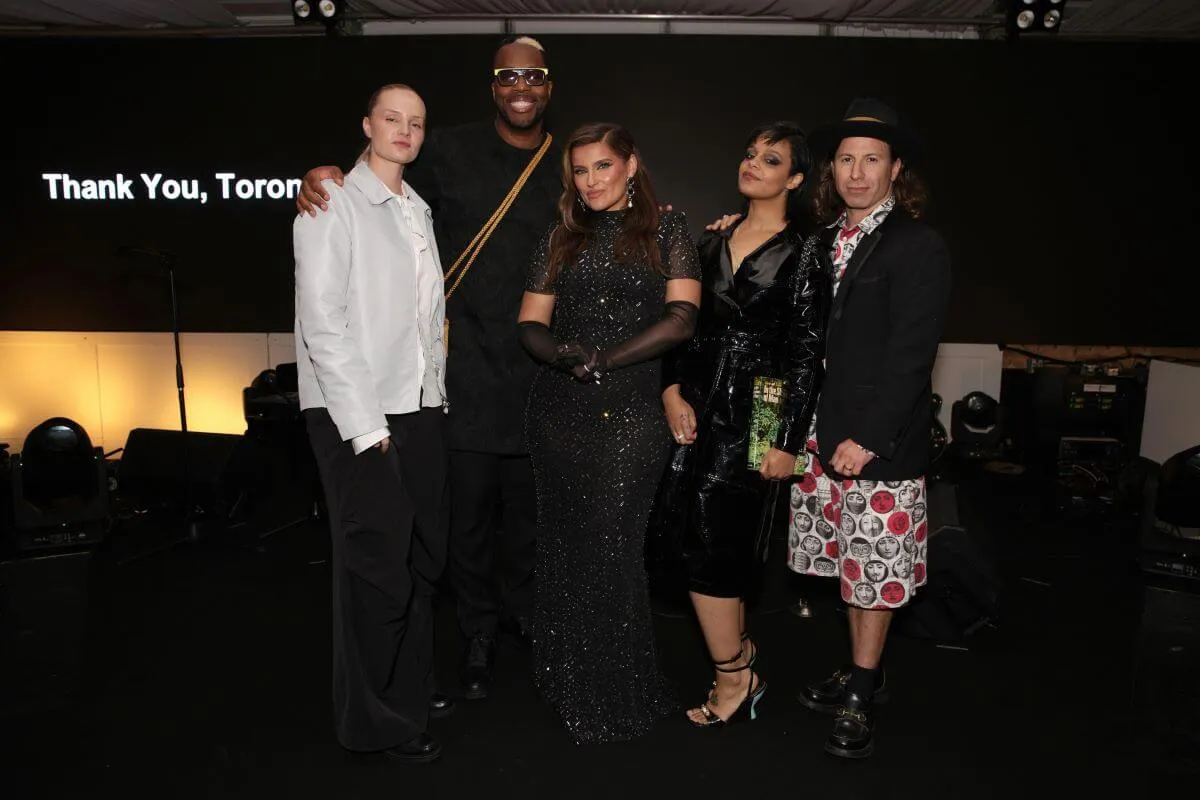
873,535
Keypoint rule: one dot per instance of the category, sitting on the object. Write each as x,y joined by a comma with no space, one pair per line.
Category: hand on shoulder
723,223
333,193
314,191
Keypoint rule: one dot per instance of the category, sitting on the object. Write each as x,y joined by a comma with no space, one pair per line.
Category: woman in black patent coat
762,313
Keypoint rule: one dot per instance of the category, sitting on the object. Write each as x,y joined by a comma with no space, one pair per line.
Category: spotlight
979,411
1170,530
326,11
59,486
1034,16
976,427
272,396
1177,505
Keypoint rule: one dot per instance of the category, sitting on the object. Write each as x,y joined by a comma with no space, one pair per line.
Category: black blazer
884,328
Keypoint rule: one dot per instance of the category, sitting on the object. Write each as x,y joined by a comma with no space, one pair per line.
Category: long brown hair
908,190
636,242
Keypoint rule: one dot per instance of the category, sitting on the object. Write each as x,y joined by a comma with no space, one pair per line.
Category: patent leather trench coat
767,319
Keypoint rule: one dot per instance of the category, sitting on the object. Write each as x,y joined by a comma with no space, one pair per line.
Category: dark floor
206,671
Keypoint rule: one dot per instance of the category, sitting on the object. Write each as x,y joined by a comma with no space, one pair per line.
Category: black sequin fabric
598,454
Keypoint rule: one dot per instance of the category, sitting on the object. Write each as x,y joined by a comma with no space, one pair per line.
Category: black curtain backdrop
1058,171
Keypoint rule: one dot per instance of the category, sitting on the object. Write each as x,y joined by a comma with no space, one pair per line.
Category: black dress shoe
476,669
851,736
420,750
518,628
827,695
441,705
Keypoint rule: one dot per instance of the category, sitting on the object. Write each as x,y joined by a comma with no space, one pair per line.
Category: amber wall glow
111,383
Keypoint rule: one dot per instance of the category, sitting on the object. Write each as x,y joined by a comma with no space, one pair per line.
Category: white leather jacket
359,341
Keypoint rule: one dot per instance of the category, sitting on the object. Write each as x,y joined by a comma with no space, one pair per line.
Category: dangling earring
629,192
582,204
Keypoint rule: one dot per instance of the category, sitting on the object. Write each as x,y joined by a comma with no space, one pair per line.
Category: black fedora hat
869,118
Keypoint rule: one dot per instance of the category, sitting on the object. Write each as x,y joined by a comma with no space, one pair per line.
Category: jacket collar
759,267
376,192
865,247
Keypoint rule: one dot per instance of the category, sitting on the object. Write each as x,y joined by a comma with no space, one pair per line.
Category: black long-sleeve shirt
464,173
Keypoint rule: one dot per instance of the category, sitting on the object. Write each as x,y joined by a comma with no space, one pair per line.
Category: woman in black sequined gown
613,286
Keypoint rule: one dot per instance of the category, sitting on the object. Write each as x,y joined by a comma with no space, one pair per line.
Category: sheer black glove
582,359
677,324
578,358
537,340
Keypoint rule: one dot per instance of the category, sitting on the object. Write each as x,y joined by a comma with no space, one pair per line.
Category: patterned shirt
846,241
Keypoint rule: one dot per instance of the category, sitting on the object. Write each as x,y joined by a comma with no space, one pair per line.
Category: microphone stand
191,527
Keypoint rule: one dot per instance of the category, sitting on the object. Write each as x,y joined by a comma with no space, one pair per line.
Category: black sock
863,681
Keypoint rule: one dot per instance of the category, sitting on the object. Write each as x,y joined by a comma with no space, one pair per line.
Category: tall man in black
465,173
860,513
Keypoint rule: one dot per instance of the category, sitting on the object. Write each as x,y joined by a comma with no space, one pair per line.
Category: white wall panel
1171,422
964,368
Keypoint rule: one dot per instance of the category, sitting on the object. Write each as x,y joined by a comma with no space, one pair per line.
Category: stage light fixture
59,487
976,427
58,459
1178,502
1035,16
324,11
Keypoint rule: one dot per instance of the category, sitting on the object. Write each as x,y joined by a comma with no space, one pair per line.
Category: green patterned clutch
764,422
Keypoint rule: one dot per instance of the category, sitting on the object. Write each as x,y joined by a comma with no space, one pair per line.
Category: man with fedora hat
859,512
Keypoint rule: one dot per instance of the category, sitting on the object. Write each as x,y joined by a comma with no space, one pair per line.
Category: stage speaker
285,480
963,589
221,469
43,618
1165,718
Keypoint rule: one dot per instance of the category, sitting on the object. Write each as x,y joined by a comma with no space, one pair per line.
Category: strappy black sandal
749,662
753,649
748,708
